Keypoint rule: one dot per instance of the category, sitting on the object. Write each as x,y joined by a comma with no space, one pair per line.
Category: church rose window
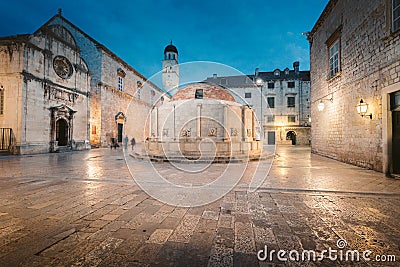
63,67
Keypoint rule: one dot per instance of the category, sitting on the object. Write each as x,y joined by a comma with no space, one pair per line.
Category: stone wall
11,81
369,61
89,51
112,101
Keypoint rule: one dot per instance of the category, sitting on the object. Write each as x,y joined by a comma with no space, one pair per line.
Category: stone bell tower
170,69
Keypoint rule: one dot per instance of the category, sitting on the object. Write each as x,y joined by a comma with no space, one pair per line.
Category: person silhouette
133,143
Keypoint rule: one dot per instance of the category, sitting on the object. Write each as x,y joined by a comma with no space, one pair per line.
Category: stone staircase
195,158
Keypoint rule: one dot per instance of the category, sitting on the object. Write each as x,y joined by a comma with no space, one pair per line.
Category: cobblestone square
84,209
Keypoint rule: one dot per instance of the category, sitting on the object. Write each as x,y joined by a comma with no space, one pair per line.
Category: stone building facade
45,87
355,64
280,99
61,78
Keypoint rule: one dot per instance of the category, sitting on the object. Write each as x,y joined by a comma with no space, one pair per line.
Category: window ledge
391,36
337,74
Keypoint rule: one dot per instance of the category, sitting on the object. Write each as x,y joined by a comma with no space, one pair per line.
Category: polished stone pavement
84,209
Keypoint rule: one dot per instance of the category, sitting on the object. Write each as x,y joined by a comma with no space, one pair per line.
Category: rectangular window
152,95
291,118
290,84
396,15
395,101
93,129
270,118
271,102
1,101
120,83
271,85
198,94
334,58
291,102
247,95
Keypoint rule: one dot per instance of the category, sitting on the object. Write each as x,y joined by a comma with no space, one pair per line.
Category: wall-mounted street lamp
362,109
321,104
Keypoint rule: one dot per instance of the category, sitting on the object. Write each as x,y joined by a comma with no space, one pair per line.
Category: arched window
139,89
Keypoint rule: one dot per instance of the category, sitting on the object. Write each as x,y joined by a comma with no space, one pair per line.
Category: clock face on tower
62,67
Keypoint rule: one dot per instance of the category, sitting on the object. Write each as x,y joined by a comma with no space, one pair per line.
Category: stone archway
61,126
291,135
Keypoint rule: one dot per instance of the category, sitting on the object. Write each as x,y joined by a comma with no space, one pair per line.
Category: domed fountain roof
203,90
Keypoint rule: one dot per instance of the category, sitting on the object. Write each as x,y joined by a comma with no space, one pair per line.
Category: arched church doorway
291,135
62,132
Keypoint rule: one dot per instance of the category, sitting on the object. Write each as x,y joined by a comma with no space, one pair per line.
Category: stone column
225,123
243,123
174,124
52,130
151,122
156,121
253,126
198,121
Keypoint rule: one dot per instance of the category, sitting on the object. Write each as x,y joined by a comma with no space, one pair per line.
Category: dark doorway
120,128
62,132
291,135
396,141
395,108
271,138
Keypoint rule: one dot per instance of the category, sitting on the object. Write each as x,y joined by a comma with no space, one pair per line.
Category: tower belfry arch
170,69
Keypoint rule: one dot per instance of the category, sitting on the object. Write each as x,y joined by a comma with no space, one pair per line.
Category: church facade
60,89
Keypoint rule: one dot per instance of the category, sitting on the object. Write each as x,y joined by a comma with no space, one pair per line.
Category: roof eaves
99,45
325,13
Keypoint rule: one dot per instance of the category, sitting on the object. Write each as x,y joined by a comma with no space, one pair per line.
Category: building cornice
103,48
30,76
327,11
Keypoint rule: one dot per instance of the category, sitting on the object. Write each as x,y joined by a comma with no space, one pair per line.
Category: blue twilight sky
242,34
